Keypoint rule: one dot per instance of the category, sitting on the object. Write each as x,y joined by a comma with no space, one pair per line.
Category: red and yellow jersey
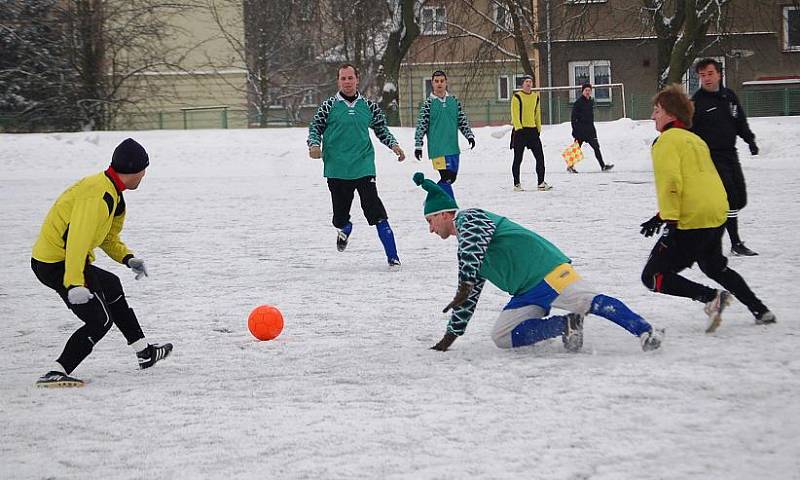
687,183
87,215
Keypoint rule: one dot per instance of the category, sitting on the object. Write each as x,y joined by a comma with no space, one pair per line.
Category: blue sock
448,189
537,329
619,313
387,239
347,229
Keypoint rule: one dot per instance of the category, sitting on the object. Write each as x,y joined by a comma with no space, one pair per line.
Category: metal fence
757,102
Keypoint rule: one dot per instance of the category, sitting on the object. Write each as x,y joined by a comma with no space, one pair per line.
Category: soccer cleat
518,188
714,309
607,167
573,333
54,379
341,240
394,263
739,250
543,187
571,170
652,340
152,354
765,318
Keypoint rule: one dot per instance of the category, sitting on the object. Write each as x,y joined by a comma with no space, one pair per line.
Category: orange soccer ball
265,322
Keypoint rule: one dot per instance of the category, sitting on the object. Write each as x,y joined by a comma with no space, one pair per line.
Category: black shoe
607,167
341,240
152,354
739,250
53,379
573,333
571,170
394,263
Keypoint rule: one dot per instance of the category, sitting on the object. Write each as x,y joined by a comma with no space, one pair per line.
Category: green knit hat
438,200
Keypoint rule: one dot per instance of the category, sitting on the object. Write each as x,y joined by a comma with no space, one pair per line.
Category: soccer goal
556,102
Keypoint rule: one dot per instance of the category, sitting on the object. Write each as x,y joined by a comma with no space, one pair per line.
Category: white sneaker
518,188
543,187
765,318
652,340
714,309
572,338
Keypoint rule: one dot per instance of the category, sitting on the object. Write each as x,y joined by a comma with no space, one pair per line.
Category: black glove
471,141
667,239
418,153
464,289
753,148
652,226
445,342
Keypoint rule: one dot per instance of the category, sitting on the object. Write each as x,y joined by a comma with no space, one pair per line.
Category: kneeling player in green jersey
527,266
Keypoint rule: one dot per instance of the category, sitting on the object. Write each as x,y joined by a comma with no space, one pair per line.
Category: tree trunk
399,42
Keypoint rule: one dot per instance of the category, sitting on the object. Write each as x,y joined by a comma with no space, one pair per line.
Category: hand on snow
138,267
314,151
445,342
79,295
753,148
471,141
652,226
464,289
399,152
418,154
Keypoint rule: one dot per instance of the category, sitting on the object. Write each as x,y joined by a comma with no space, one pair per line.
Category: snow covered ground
228,220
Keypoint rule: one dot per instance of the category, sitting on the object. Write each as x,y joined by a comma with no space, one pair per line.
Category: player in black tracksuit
583,126
718,119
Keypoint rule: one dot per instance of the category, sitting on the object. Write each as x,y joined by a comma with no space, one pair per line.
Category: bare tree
681,28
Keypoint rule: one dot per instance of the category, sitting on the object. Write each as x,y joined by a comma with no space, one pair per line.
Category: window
434,21
691,82
502,19
305,10
427,88
791,29
309,98
503,90
596,72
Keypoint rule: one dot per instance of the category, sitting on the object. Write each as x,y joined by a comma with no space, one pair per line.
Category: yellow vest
87,215
687,183
531,116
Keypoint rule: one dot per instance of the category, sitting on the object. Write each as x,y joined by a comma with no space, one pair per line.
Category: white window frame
509,90
425,83
690,71
573,94
786,46
509,24
434,23
309,98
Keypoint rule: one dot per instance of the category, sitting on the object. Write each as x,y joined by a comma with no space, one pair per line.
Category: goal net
556,102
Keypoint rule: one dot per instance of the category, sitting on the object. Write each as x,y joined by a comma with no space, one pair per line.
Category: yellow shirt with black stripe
688,186
531,116
87,215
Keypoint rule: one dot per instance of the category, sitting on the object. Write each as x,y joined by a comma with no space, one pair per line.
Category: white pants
576,298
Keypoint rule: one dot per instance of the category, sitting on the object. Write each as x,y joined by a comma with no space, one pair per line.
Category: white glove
79,295
138,267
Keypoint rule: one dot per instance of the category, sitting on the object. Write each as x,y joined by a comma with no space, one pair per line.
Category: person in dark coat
583,126
718,119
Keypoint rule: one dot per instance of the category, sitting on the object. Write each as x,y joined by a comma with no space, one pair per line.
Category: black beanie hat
129,157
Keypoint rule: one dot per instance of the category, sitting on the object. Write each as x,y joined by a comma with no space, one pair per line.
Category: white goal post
557,101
